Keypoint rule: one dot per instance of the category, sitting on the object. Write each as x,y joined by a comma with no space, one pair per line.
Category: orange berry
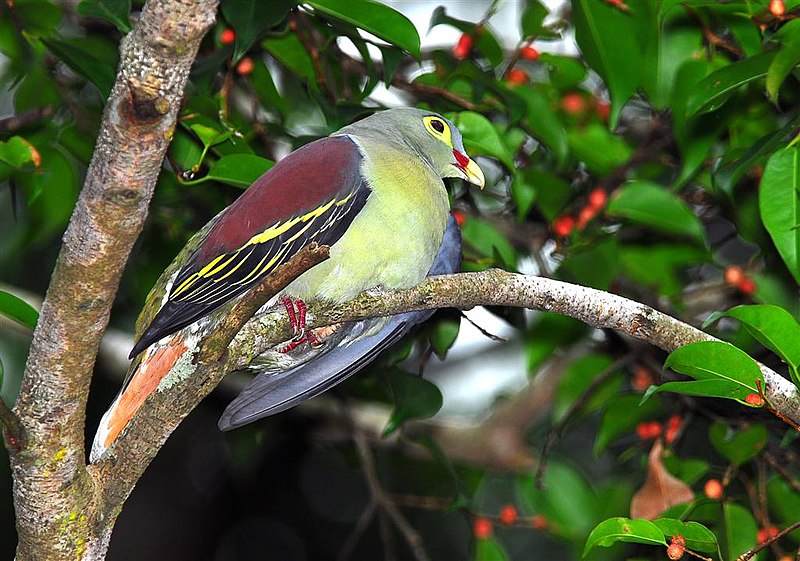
508,515
675,551
563,225
529,53
463,47
678,539
227,37
747,286
245,66
460,217
673,428
516,76
648,430
713,489
585,216
598,198
539,522
642,379
482,528
766,534
733,275
603,109
754,399
573,103
777,8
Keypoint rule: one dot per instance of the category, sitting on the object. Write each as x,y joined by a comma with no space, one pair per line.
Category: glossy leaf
620,529
414,398
738,446
738,533
84,63
250,19
648,204
481,137
697,536
290,52
578,377
113,11
779,204
717,87
598,148
239,170
489,550
380,20
621,416
773,327
532,18
15,152
18,309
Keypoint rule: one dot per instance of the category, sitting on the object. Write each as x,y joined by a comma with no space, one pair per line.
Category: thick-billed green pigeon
372,192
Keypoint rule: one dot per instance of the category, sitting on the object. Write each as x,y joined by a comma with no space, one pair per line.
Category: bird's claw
296,311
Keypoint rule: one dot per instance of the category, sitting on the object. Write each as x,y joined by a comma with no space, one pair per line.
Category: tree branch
53,496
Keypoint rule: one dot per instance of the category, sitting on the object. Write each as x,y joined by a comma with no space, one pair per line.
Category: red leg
296,311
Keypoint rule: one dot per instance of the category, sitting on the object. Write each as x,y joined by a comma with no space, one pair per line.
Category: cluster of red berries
766,534
514,76
648,430
244,66
777,8
676,547
565,224
482,526
736,277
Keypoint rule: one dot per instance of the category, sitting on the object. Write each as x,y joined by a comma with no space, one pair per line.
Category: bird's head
431,136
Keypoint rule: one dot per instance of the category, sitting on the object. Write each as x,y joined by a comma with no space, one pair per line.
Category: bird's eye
438,128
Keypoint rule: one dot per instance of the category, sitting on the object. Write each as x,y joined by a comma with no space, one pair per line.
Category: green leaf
578,377
621,416
209,136
290,52
738,446
489,550
380,20
564,72
735,374
549,333
738,533
717,87
787,58
18,309
239,170
785,502
486,239
250,19
532,18
779,204
523,194
773,327
648,204
571,503
15,152
84,63
443,336
660,265
40,19
598,148
113,11
697,536
544,123
690,470
414,398
481,137
596,265
619,529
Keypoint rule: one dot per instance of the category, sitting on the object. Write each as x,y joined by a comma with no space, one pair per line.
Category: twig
435,91
16,122
358,530
746,556
485,333
782,471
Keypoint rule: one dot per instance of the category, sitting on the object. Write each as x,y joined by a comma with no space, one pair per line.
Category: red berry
460,217
766,534
227,37
585,216
245,66
573,104
463,47
563,225
539,522
648,430
754,399
675,551
642,379
529,53
747,286
516,76
733,275
598,198
603,109
713,489
678,539
673,428
482,528
508,515
777,8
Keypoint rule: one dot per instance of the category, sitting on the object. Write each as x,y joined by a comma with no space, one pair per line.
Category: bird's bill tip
474,174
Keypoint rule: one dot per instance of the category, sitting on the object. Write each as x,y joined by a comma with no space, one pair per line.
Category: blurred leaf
16,152
544,123
738,533
380,20
481,137
239,170
577,377
647,203
779,203
717,87
786,59
532,18
250,19
785,502
565,72
697,536
690,470
773,327
619,529
37,18
596,266
488,45
738,446
18,309
606,37
570,500
523,194
264,86
414,398
660,265
290,52
598,148
84,63
489,550
549,333
485,238
113,11
621,416
552,192
443,336
721,370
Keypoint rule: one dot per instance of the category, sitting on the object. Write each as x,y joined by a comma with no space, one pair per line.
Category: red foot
296,310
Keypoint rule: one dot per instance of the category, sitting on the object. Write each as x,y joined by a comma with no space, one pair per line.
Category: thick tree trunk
58,512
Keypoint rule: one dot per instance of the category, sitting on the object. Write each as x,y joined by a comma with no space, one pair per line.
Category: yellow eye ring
439,129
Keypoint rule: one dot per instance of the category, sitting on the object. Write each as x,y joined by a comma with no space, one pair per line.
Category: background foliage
658,162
